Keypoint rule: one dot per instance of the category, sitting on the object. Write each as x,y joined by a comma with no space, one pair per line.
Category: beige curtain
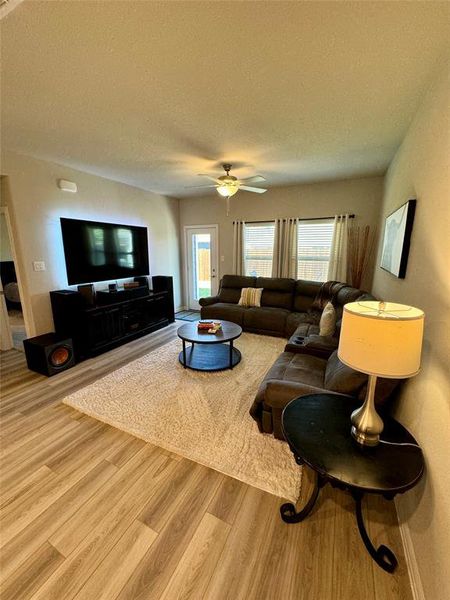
238,248
285,249
337,268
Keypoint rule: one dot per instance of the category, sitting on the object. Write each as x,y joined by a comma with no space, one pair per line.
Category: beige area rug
201,416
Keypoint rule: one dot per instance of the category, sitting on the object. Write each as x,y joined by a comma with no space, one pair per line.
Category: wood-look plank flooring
89,512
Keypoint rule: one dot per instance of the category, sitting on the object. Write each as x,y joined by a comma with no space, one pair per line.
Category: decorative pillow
250,297
327,323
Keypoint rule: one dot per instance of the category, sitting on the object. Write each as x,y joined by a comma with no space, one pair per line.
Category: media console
116,318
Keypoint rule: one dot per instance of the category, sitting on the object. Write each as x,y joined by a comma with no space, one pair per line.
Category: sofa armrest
208,300
315,345
273,395
327,344
279,393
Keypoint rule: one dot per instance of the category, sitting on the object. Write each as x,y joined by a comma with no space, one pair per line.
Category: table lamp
382,339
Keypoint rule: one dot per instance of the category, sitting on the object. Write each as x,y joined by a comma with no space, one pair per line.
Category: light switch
222,258
39,265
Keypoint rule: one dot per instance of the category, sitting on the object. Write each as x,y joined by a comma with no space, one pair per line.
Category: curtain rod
310,219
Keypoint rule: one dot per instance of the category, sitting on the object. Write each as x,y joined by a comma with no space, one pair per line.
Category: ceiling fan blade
208,176
252,189
253,179
201,186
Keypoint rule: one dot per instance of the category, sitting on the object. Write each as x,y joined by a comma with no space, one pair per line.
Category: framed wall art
397,236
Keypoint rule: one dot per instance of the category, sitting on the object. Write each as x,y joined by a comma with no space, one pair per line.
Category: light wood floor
89,512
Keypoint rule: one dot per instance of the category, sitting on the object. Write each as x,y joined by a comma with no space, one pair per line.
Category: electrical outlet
39,265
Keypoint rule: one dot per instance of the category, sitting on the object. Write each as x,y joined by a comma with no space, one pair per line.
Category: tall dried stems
361,244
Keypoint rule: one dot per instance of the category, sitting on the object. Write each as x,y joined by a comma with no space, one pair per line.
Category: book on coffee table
209,326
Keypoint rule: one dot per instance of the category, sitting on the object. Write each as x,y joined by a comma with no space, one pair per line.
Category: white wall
361,196
36,204
421,169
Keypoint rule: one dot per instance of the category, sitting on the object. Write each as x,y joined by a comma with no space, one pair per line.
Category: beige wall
36,204
359,196
421,170
5,246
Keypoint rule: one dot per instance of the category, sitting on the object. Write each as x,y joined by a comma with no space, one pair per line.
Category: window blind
314,239
258,248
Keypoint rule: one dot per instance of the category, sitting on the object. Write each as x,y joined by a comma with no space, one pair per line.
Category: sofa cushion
278,292
383,390
231,286
304,294
266,318
296,319
347,294
224,311
301,368
343,379
250,297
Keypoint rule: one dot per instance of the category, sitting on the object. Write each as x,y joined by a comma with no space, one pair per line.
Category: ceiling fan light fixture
227,189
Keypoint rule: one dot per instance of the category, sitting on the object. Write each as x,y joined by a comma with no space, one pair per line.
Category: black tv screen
102,251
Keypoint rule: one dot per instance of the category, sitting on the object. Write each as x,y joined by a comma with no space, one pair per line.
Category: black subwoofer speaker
49,354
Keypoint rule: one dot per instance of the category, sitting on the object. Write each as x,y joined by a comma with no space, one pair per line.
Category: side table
317,429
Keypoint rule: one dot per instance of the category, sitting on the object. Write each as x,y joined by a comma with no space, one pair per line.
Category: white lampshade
383,339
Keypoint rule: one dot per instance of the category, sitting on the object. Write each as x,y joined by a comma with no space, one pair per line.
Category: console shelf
116,321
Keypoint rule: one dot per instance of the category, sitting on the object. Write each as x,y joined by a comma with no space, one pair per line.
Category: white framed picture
397,237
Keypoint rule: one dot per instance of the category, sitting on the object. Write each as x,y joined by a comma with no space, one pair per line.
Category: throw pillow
327,323
250,297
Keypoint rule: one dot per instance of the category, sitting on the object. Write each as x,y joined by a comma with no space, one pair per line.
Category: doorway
201,245
13,330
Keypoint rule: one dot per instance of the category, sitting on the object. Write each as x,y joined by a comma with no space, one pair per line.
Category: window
314,239
258,248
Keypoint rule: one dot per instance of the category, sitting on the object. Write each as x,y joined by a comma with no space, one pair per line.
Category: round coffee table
209,351
317,429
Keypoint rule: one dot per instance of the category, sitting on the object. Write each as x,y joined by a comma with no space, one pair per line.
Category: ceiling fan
227,185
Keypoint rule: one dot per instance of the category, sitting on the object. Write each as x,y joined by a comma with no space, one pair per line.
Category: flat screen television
102,251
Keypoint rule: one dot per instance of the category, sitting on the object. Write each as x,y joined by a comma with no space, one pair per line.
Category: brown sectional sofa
270,319
309,363
287,306
293,375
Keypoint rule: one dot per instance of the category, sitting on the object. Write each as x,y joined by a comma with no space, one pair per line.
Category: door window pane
201,260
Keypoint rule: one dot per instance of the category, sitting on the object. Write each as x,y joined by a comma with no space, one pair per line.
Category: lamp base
366,422
364,438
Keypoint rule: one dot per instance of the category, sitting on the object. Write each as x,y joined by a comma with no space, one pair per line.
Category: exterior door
201,264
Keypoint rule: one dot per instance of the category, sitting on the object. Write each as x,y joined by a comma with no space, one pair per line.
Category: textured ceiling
151,93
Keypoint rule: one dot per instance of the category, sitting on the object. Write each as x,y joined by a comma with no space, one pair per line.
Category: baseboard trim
410,555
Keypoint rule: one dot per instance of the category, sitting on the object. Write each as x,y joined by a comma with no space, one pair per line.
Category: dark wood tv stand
98,328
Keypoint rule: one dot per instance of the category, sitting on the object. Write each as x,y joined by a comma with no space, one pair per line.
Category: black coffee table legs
288,511
209,357
184,354
382,555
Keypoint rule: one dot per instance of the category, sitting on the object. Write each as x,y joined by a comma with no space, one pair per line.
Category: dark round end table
209,351
317,429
